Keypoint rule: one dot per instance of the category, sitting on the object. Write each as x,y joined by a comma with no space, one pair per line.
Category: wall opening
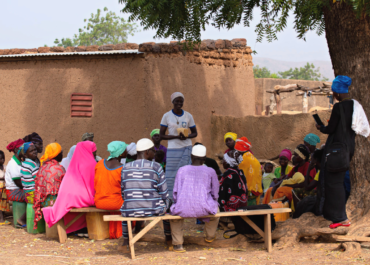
81,105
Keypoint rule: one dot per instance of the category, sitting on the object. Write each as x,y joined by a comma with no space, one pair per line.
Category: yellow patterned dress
4,203
253,173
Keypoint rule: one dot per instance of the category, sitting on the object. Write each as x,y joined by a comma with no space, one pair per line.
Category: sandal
20,226
209,240
335,225
177,248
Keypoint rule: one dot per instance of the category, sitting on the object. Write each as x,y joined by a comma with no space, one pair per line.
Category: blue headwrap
340,84
23,149
116,148
312,139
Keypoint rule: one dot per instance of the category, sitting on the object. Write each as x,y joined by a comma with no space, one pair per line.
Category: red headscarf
15,144
242,144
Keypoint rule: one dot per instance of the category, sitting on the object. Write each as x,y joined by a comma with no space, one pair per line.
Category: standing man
144,190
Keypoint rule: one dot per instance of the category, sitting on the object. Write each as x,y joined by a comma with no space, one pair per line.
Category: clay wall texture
291,102
268,135
130,95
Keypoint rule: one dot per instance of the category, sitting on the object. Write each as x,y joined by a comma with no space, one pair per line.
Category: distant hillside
275,66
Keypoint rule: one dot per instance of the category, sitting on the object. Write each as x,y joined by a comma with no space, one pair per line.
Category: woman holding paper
179,123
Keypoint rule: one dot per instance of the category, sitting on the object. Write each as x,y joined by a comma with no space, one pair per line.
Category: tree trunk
348,40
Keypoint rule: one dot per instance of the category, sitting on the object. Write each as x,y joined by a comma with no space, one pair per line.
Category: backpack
241,227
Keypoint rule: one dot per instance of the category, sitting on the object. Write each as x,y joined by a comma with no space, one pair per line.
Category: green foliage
101,29
263,72
307,72
185,19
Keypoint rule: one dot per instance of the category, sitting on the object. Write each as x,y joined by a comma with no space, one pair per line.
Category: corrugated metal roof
72,53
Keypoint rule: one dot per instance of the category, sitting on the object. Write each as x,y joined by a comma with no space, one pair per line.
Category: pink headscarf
287,153
77,188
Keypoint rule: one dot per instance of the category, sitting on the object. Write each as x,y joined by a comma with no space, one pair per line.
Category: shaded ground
19,247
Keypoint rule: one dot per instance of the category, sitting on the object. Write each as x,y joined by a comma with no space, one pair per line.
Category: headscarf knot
51,151
242,144
116,148
13,145
340,84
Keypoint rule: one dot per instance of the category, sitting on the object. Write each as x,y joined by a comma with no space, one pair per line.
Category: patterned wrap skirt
4,202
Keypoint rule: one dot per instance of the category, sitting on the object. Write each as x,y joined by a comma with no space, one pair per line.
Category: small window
81,105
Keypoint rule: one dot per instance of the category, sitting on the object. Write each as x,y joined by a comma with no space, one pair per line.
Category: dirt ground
19,247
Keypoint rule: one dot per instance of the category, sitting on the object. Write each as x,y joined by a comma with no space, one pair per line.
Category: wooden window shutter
81,105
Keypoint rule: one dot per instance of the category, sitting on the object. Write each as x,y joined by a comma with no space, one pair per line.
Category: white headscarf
65,162
176,95
131,149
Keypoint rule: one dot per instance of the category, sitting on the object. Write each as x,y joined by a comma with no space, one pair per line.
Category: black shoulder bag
337,153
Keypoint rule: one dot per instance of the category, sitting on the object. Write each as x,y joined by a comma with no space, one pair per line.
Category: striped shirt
144,189
29,170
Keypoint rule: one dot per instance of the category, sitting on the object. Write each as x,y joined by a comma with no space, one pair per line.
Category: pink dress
76,190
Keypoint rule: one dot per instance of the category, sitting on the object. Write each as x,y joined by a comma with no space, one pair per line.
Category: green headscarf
154,132
312,139
116,148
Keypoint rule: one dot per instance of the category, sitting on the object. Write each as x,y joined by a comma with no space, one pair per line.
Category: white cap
199,150
144,144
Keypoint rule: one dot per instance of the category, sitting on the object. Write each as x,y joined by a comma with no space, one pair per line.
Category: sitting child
268,176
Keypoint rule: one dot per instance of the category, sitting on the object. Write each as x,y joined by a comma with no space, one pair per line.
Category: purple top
195,192
164,149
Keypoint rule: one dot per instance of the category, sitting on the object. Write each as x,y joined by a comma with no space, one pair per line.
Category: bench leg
62,231
131,243
268,239
97,228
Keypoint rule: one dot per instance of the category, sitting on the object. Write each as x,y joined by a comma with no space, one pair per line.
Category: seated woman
29,169
284,169
301,164
107,180
107,184
131,154
4,203
304,199
76,190
13,184
156,138
230,139
311,140
233,185
284,191
48,179
251,168
65,161
38,142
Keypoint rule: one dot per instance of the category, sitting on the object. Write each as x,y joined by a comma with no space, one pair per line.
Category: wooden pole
267,113
278,102
305,103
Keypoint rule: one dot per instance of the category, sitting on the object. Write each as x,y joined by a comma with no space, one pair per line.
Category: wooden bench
266,234
96,227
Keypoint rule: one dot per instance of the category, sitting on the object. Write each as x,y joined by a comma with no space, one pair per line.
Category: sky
31,24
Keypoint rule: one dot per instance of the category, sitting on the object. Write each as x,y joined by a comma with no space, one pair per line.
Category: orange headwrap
51,151
242,144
